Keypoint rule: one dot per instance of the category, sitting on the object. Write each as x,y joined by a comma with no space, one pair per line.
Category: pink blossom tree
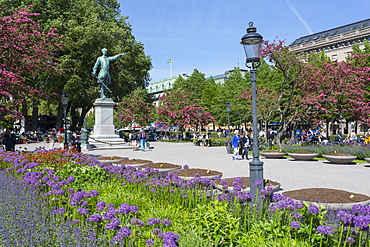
134,108
178,108
25,49
336,90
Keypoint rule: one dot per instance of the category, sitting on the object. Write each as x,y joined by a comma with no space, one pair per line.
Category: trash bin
228,147
121,134
77,146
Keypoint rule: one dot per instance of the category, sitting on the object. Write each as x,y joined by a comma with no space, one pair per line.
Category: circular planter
188,174
273,154
133,162
303,155
162,167
111,159
339,158
246,184
368,160
330,198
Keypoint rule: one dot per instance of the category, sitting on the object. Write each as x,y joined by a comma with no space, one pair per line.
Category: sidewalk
290,173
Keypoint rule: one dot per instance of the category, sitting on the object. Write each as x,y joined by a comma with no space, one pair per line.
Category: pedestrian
236,142
133,138
245,143
9,141
353,136
52,138
142,137
208,139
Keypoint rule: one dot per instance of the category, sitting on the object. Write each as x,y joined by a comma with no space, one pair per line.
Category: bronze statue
103,77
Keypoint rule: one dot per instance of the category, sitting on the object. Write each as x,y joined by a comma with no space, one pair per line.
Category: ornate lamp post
228,146
64,100
252,43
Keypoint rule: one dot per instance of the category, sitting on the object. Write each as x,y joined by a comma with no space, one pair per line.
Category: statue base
104,132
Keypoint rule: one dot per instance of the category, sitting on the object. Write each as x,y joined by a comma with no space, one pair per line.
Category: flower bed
123,206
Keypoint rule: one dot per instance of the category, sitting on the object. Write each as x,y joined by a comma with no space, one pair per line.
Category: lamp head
252,43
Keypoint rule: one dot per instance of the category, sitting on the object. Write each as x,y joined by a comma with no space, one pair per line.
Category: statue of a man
104,77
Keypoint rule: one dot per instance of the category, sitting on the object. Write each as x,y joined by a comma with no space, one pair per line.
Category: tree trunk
24,113
281,139
35,118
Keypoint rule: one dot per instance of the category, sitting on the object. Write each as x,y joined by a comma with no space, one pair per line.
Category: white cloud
291,7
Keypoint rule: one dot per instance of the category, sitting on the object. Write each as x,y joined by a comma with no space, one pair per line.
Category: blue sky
205,35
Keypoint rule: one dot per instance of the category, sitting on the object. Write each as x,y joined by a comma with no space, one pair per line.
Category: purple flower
358,208
124,209
82,210
95,218
157,232
166,222
124,231
186,167
313,209
100,206
94,193
258,183
84,203
277,197
237,181
153,221
137,222
109,214
116,239
149,242
70,179
350,240
345,217
76,221
237,188
59,211
361,222
295,225
113,225
134,209
326,230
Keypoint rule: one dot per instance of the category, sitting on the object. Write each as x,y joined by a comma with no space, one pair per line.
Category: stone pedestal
104,133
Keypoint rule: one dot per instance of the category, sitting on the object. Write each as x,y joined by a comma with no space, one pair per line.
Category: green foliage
193,84
82,173
361,151
216,224
85,28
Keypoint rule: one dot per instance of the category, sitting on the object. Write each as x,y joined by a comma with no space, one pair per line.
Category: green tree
193,84
85,27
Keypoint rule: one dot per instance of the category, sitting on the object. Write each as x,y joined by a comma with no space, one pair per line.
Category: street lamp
252,43
228,146
64,100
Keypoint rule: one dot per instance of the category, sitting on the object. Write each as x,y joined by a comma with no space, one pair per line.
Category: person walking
142,137
245,143
9,141
208,139
236,142
52,138
133,138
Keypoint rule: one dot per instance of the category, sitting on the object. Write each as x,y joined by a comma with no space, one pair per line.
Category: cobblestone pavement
290,173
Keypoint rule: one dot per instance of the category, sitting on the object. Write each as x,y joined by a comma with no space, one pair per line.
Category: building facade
336,42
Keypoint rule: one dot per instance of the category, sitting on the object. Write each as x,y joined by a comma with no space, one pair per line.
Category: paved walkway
290,173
